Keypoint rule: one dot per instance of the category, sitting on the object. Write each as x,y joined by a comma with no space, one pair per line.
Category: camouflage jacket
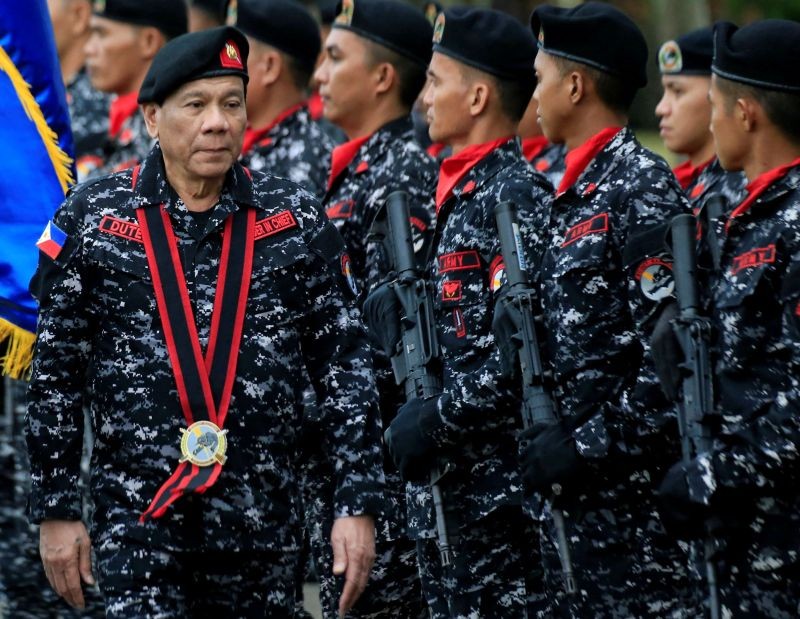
101,344
128,147
756,318
293,147
88,112
481,409
389,160
604,278
547,159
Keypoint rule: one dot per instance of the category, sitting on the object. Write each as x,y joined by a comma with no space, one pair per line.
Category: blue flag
35,165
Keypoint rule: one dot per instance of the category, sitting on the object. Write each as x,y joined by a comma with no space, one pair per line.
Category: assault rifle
538,407
696,406
418,349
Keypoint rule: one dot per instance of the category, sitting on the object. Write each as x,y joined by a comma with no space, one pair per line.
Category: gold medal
203,444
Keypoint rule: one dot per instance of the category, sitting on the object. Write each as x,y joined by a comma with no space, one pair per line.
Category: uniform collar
531,147
578,160
766,187
253,137
151,186
345,154
687,174
455,168
120,110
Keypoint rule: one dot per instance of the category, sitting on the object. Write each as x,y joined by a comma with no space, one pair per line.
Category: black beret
216,8
594,34
327,11
432,10
488,40
689,54
763,54
169,16
209,53
393,24
283,24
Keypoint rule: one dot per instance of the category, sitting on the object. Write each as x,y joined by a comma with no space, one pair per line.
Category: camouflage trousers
139,581
497,572
624,563
24,590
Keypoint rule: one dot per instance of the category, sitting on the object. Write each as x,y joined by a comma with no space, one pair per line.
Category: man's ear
748,114
151,113
81,16
272,65
479,94
578,86
150,41
385,76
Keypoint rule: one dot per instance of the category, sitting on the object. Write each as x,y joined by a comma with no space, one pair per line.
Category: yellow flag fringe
18,344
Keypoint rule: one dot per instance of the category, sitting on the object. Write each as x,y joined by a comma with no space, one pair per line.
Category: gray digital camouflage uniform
88,113
390,160
750,479
128,147
497,569
547,159
604,277
100,342
294,147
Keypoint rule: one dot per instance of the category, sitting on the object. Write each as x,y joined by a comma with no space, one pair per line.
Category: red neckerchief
120,110
434,149
454,168
579,158
253,136
758,186
315,106
533,146
686,173
342,155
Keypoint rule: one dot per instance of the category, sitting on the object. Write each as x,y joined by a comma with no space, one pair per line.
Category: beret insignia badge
670,59
229,56
233,13
438,28
346,16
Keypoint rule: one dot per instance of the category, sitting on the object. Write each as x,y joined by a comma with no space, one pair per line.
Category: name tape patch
119,227
459,261
595,225
274,224
753,258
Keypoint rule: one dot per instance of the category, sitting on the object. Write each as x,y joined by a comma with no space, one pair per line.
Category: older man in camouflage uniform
747,482
125,36
282,138
479,84
141,272
371,73
604,281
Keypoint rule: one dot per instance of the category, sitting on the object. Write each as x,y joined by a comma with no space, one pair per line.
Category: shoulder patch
459,261
753,258
341,210
285,220
119,227
655,279
594,225
52,240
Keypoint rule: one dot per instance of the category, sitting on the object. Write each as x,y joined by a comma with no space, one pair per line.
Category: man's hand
382,315
66,555
353,542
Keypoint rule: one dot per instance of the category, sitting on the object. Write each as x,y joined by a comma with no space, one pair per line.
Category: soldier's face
552,98
113,56
200,127
684,113
447,99
344,77
730,142
70,20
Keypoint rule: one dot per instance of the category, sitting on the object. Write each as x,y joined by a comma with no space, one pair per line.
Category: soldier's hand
548,456
382,315
505,325
666,352
353,542
66,554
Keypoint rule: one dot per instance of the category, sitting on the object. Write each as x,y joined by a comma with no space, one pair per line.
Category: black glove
382,315
666,352
681,515
550,456
410,438
506,323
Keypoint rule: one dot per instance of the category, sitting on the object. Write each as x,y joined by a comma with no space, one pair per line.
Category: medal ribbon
204,383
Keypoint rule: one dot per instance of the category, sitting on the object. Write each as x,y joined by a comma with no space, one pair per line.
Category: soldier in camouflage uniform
373,70
88,107
479,86
748,481
282,139
125,35
546,158
604,281
115,332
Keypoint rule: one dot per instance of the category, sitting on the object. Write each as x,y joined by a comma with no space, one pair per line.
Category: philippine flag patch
52,240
